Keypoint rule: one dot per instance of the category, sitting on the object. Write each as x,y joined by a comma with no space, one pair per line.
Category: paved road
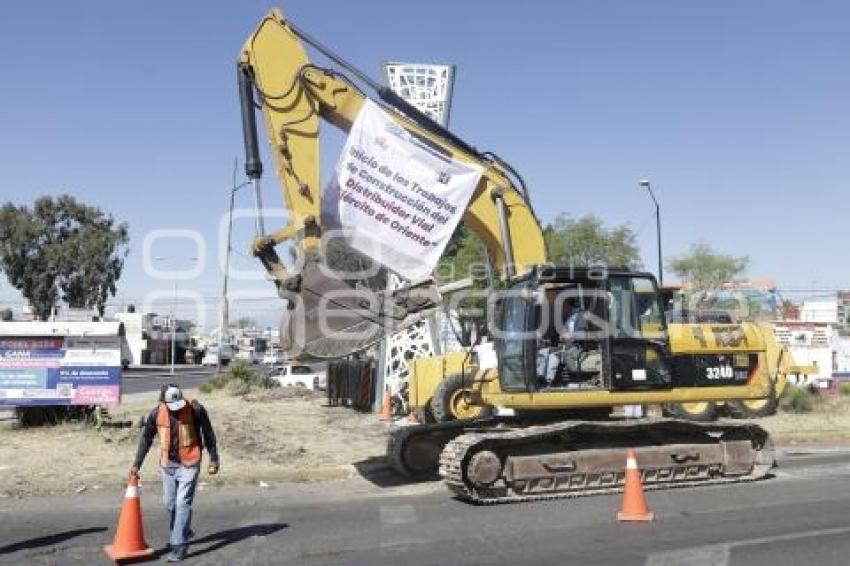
139,382
798,517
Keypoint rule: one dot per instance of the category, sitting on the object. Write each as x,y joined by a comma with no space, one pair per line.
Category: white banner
397,199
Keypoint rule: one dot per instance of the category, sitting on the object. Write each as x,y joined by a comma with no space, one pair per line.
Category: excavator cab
582,329
571,344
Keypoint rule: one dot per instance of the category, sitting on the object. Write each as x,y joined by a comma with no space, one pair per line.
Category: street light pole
645,183
225,308
173,326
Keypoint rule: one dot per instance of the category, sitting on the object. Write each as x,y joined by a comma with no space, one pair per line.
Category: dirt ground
272,436
828,422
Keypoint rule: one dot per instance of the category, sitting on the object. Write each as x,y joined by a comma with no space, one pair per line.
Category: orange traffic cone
386,406
634,502
129,542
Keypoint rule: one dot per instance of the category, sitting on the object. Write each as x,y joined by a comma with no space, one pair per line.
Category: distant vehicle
274,357
252,350
211,356
300,376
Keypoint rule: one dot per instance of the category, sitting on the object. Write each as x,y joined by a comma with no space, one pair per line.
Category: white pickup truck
296,375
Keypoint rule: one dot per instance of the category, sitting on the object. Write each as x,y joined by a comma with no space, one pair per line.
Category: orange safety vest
188,443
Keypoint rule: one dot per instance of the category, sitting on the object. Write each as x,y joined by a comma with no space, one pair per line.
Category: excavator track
580,458
414,451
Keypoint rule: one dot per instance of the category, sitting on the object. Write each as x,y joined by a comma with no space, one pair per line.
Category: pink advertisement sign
97,395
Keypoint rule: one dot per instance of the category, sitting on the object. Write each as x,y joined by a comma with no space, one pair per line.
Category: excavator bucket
327,318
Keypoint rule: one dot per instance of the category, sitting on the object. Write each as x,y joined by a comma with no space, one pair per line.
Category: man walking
184,430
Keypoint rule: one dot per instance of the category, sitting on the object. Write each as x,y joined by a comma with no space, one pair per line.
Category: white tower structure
428,87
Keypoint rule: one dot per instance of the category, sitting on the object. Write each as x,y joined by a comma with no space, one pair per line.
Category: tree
586,241
62,249
704,269
463,257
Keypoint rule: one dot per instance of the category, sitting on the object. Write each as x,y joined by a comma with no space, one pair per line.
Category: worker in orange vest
184,431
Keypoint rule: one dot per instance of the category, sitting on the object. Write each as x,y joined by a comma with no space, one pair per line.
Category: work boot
178,553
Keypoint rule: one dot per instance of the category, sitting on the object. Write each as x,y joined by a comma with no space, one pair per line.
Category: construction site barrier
351,384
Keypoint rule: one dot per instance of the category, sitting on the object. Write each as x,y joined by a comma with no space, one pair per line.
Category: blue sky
737,112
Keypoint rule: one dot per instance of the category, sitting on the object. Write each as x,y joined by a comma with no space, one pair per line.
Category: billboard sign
60,370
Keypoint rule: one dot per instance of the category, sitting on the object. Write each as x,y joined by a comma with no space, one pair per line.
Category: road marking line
713,555
718,554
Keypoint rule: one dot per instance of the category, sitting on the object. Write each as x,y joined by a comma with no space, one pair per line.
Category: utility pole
645,184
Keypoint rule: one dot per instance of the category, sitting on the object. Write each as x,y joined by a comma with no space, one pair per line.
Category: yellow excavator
570,343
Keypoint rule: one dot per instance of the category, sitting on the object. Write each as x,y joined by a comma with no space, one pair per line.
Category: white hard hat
173,398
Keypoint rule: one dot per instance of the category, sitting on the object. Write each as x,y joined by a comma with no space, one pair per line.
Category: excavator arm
275,75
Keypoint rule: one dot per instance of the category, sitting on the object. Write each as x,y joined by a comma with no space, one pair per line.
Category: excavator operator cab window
636,311
649,309
572,335
515,336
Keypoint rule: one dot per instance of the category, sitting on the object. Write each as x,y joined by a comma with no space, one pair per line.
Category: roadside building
842,354
149,338
135,328
821,309
842,312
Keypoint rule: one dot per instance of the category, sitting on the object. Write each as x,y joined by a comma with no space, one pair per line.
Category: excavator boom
294,95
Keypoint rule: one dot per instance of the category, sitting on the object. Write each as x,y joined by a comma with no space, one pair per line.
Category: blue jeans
178,491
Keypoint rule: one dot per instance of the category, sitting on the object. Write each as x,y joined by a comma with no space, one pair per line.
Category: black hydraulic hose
327,52
390,97
523,191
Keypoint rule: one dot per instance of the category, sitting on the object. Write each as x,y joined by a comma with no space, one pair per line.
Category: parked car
295,375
